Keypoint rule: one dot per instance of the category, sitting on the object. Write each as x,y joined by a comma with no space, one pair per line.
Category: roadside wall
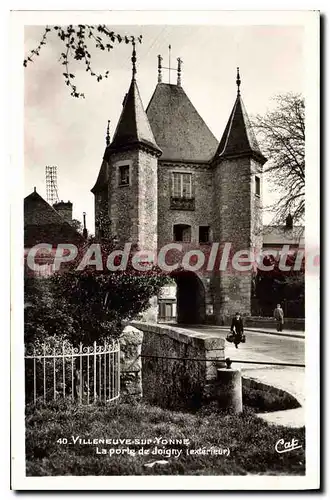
178,383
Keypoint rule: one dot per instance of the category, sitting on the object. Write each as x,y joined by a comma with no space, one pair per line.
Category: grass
250,440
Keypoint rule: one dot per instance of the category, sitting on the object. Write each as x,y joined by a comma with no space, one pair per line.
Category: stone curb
296,335
279,334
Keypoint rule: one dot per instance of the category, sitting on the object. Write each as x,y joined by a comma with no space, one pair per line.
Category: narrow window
186,185
257,185
182,232
181,185
123,175
204,234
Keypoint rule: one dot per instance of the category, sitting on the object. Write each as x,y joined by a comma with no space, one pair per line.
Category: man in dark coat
237,328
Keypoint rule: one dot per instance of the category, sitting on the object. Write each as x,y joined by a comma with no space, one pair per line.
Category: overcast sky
70,133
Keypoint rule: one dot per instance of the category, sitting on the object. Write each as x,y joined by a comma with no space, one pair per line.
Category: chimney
64,208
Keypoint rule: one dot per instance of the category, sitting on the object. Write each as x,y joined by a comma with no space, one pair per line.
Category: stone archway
190,297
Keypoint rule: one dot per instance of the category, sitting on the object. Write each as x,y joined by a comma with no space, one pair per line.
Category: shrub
88,305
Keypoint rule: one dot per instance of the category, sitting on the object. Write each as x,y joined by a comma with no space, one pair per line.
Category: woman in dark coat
237,328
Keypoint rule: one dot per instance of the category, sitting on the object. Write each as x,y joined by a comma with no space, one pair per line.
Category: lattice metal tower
51,185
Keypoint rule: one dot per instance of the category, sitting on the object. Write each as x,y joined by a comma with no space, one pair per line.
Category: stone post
130,362
229,390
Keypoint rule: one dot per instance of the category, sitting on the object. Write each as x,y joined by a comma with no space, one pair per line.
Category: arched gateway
190,297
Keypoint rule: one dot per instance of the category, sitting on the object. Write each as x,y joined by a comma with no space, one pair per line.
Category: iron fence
85,374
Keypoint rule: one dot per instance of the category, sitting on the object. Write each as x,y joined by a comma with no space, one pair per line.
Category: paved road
271,348
260,346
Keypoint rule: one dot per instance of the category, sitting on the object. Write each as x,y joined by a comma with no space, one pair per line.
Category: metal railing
229,362
85,374
226,361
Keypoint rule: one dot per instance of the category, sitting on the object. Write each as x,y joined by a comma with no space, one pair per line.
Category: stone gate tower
165,178
237,207
126,188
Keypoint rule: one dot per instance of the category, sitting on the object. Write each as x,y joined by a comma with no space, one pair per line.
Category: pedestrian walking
237,329
279,317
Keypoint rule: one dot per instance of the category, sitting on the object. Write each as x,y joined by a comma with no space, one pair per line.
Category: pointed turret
133,127
132,159
237,200
238,138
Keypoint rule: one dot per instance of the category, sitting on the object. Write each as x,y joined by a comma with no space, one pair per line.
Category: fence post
44,346
54,366
95,371
118,366
72,375
105,379
63,368
80,375
34,376
88,375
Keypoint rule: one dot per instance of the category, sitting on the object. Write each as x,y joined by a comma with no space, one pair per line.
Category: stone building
44,223
165,178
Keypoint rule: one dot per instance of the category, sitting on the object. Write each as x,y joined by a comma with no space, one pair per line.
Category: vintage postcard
165,316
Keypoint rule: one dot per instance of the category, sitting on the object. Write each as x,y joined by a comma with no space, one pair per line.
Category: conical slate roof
179,130
238,138
102,179
133,125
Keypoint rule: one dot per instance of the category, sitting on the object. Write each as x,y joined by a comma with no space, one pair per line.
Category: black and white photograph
165,313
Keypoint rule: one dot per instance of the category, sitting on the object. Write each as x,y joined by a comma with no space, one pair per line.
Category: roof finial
238,81
107,137
133,60
179,71
160,68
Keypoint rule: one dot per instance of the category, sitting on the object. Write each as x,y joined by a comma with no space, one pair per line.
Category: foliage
77,225
251,442
77,41
88,305
42,317
281,134
276,286
103,223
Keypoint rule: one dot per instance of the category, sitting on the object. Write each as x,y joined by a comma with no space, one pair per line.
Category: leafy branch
35,52
281,133
77,41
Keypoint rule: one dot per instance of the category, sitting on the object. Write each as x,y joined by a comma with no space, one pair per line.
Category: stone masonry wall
133,208
236,215
202,190
147,208
182,383
256,208
123,200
